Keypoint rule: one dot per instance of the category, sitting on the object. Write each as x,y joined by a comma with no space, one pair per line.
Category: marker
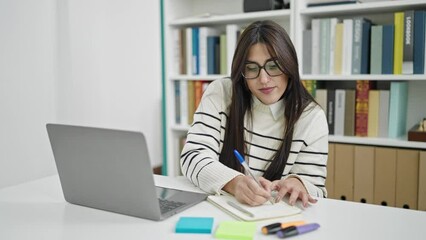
293,230
275,227
239,208
246,167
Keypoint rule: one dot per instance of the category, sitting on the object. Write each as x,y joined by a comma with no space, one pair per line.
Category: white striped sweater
308,154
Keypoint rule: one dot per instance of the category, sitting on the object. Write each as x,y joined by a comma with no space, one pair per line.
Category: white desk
37,210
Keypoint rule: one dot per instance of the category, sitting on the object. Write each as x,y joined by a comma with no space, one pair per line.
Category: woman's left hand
294,187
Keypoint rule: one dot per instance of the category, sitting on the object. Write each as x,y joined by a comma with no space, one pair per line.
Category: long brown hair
296,98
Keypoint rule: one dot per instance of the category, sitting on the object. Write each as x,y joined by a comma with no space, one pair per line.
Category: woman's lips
266,90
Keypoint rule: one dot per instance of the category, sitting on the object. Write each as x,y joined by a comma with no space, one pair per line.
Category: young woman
264,112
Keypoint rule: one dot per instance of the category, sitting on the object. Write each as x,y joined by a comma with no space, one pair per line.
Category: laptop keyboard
167,205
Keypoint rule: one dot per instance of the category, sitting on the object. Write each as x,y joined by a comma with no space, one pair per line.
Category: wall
91,62
27,56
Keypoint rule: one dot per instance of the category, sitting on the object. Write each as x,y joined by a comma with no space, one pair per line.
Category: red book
361,107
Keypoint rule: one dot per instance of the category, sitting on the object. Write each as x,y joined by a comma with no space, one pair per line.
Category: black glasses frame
263,67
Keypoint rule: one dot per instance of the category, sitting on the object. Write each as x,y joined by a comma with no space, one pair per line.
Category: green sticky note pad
194,225
236,230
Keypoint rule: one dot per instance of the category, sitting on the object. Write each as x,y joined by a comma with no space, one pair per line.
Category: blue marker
246,167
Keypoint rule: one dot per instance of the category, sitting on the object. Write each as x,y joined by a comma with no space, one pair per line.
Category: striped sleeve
200,155
311,163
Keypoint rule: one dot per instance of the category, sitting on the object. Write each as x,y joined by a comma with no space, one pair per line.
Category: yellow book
373,113
398,43
338,49
191,102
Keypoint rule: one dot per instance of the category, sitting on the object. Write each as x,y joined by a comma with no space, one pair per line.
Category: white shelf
196,77
385,142
362,8
234,18
389,77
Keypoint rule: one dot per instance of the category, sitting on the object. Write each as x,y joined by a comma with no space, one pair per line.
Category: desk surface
37,210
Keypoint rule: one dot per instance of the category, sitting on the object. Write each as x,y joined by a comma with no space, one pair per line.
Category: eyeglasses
252,69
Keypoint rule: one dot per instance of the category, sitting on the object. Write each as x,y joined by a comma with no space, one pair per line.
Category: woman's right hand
247,191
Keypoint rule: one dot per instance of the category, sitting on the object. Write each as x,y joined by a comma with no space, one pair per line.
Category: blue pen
246,167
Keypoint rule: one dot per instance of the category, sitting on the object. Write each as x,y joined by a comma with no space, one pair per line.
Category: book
373,113
398,109
384,113
339,112
191,101
331,99
361,45
262,212
212,55
307,51
223,55
338,49
195,50
398,42
235,230
198,92
321,98
419,42
231,43
408,54
349,113
177,102
361,107
194,225
324,61
376,49
388,49
333,24
188,48
206,46
315,65
183,102
347,46
310,86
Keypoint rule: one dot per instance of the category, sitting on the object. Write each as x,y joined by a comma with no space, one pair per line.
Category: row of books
188,95
204,50
357,46
364,110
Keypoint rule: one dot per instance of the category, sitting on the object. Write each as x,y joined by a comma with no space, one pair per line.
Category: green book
236,230
376,49
398,109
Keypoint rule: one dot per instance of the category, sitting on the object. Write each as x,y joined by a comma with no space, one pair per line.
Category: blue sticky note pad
194,225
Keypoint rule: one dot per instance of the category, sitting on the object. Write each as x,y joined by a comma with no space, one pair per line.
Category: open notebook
247,213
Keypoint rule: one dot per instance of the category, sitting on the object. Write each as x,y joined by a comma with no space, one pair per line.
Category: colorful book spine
388,49
361,44
191,101
398,43
198,92
419,42
189,57
398,109
408,54
223,52
183,102
212,55
361,107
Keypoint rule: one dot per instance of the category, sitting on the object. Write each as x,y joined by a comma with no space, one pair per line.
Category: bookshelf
178,14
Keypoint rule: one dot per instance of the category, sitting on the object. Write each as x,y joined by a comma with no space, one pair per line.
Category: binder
422,182
344,171
385,176
364,174
407,178
329,183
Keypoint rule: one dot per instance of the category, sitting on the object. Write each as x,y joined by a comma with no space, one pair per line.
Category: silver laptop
110,170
